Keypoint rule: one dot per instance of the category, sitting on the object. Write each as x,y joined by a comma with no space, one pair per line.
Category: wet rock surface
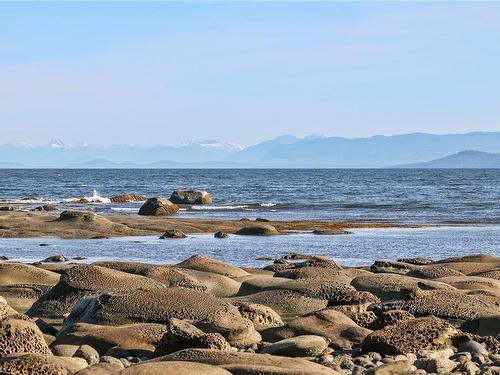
202,316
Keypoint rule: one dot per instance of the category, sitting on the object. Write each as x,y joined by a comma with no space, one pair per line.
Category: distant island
416,150
463,159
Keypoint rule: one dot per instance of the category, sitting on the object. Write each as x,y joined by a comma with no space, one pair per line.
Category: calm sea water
467,197
360,248
410,196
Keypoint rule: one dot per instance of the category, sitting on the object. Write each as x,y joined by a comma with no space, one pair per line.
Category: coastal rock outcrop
173,233
210,313
133,337
341,331
21,336
126,198
183,335
174,367
410,336
183,196
82,281
250,363
158,206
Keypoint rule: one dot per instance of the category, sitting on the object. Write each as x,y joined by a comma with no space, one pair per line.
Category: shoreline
22,224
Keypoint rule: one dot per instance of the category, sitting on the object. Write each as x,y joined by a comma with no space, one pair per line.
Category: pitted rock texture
416,261
21,336
142,336
30,364
183,335
152,306
492,274
285,301
261,316
410,336
340,330
391,317
315,273
82,281
390,266
250,363
433,272
448,304
390,286
201,263
18,273
174,368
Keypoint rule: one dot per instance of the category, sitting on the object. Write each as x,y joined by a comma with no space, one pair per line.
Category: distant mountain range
463,159
417,150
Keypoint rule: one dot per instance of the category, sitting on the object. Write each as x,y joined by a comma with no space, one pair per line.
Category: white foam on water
124,209
209,208
96,198
268,204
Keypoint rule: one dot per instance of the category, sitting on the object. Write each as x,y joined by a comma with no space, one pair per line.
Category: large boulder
82,281
201,263
21,336
19,273
285,301
158,206
257,230
389,286
341,331
448,304
174,368
141,336
34,363
160,305
298,346
250,363
472,283
410,336
471,264
167,275
261,316
181,196
183,335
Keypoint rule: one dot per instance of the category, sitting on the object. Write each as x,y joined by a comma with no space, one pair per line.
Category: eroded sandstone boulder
158,206
257,230
298,346
21,336
82,281
174,368
410,336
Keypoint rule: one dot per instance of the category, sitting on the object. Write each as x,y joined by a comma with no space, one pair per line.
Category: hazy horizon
166,73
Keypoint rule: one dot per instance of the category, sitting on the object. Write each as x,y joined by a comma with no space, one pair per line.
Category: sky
149,73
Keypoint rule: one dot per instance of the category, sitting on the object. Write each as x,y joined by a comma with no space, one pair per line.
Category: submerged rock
56,259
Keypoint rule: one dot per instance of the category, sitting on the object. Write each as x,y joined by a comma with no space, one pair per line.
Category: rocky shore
87,224
299,315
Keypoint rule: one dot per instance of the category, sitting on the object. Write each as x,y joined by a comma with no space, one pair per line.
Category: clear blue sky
147,73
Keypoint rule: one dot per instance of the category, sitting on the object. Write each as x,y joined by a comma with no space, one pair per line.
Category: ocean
465,204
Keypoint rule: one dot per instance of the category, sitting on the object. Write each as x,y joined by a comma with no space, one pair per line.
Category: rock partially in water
221,234
126,198
46,207
181,196
257,230
173,233
158,206
7,208
56,259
